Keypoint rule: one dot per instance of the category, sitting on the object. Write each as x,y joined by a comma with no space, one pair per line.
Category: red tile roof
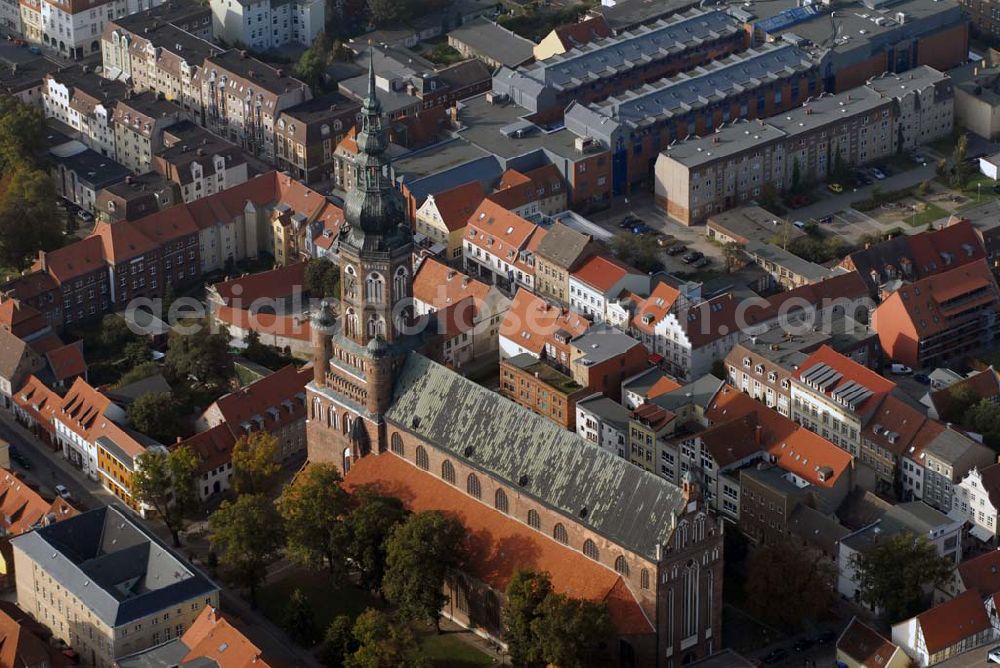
850,371
662,386
71,261
67,361
83,408
984,384
21,641
601,273
573,35
894,425
531,321
498,232
981,574
276,391
731,441
21,320
214,446
278,283
212,637
951,622
439,286
517,189
457,204
286,326
499,545
865,645
36,399
21,507
655,308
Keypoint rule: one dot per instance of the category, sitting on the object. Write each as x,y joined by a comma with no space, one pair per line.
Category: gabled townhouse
598,281
977,498
941,317
198,162
35,408
561,252
542,388
945,631
536,327
533,193
308,134
443,216
888,435
980,574
80,415
861,646
500,247
603,422
214,449
947,457
479,311
276,404
119,451
649,425
139,121
17,362
86,103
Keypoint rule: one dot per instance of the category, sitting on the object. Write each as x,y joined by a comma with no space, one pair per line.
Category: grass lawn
448,650
928,215
326,600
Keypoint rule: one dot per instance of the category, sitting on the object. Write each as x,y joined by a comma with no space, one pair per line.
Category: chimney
758,434
41,261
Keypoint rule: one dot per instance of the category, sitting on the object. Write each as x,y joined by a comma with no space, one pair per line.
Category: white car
993,656
878,173
900,369
63,492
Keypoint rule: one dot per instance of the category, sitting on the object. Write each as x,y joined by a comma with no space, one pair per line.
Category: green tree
384,642
29,220
155,415
733,257
137,373
368,527
572,633
960,398
959,170
636,251
248,536
22,127
136,353
298,621
312,64
894,574
165,482
322,278
202,358
790,574
114,333
984,418
387,12
313,508
256,463
526,592
338,642
419,554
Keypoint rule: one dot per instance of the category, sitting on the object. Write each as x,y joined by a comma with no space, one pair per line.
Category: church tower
356,357
376,246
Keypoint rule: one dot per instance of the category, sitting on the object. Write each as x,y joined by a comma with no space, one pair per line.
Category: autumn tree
794,576
298,621
526,592
165,482
384,642
338,642
419,553
313,508
202,358
894,574
256,463
247,534
368,527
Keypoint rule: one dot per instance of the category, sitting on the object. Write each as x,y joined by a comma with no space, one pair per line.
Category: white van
900,369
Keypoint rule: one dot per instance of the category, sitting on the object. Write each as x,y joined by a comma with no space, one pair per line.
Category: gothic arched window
422,460
399,283
351,322
644,579
559,533
375,288
447,472
591,550
533,520
350,282
396,444
472,486
500,501
621,566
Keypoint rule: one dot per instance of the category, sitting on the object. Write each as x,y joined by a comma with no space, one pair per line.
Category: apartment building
542,388
603,422
598,281
500,247
532,193
199,163
729,167
947,458
637,126
267,24
941,317
161,50
86,103
617,64
139,122
560,253
243,98
73,28
80,173
106,586
307,135
135,197
443,217
539,328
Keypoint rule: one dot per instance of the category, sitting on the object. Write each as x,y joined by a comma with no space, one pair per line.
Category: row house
443,217
139,124
274,404
598,281
941,317
243,97
561,252
729,167
500,247
307,135
539,328
603,422
72,27
947,630
77,420
977,498
946,458
533,193
860,646
199,163
532,383
482,308
135,197
86,103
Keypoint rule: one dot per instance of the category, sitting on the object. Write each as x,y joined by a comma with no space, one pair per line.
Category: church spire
374,209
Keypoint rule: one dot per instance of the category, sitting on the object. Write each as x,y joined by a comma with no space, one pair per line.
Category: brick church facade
531,495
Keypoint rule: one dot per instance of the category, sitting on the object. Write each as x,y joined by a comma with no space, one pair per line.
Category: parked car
701,263
641,228
878,173
835,187
629,221
677,249
85,216
923,379
993,656
799,224
63,492
900,369
693,256
35,50
776,655
826,220
666,240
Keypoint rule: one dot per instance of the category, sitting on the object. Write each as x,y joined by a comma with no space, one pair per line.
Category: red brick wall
857,75
945,49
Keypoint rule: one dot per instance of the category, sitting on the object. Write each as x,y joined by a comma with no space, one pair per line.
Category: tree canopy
894,574
572,633
247,534
322,278
256,463
314,507
201,358
794,576
165,482
419,553
384,642
368,527
637,251
984,418
155,415
526,592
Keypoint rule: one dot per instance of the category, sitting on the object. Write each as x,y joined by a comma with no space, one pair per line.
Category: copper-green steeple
374,209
